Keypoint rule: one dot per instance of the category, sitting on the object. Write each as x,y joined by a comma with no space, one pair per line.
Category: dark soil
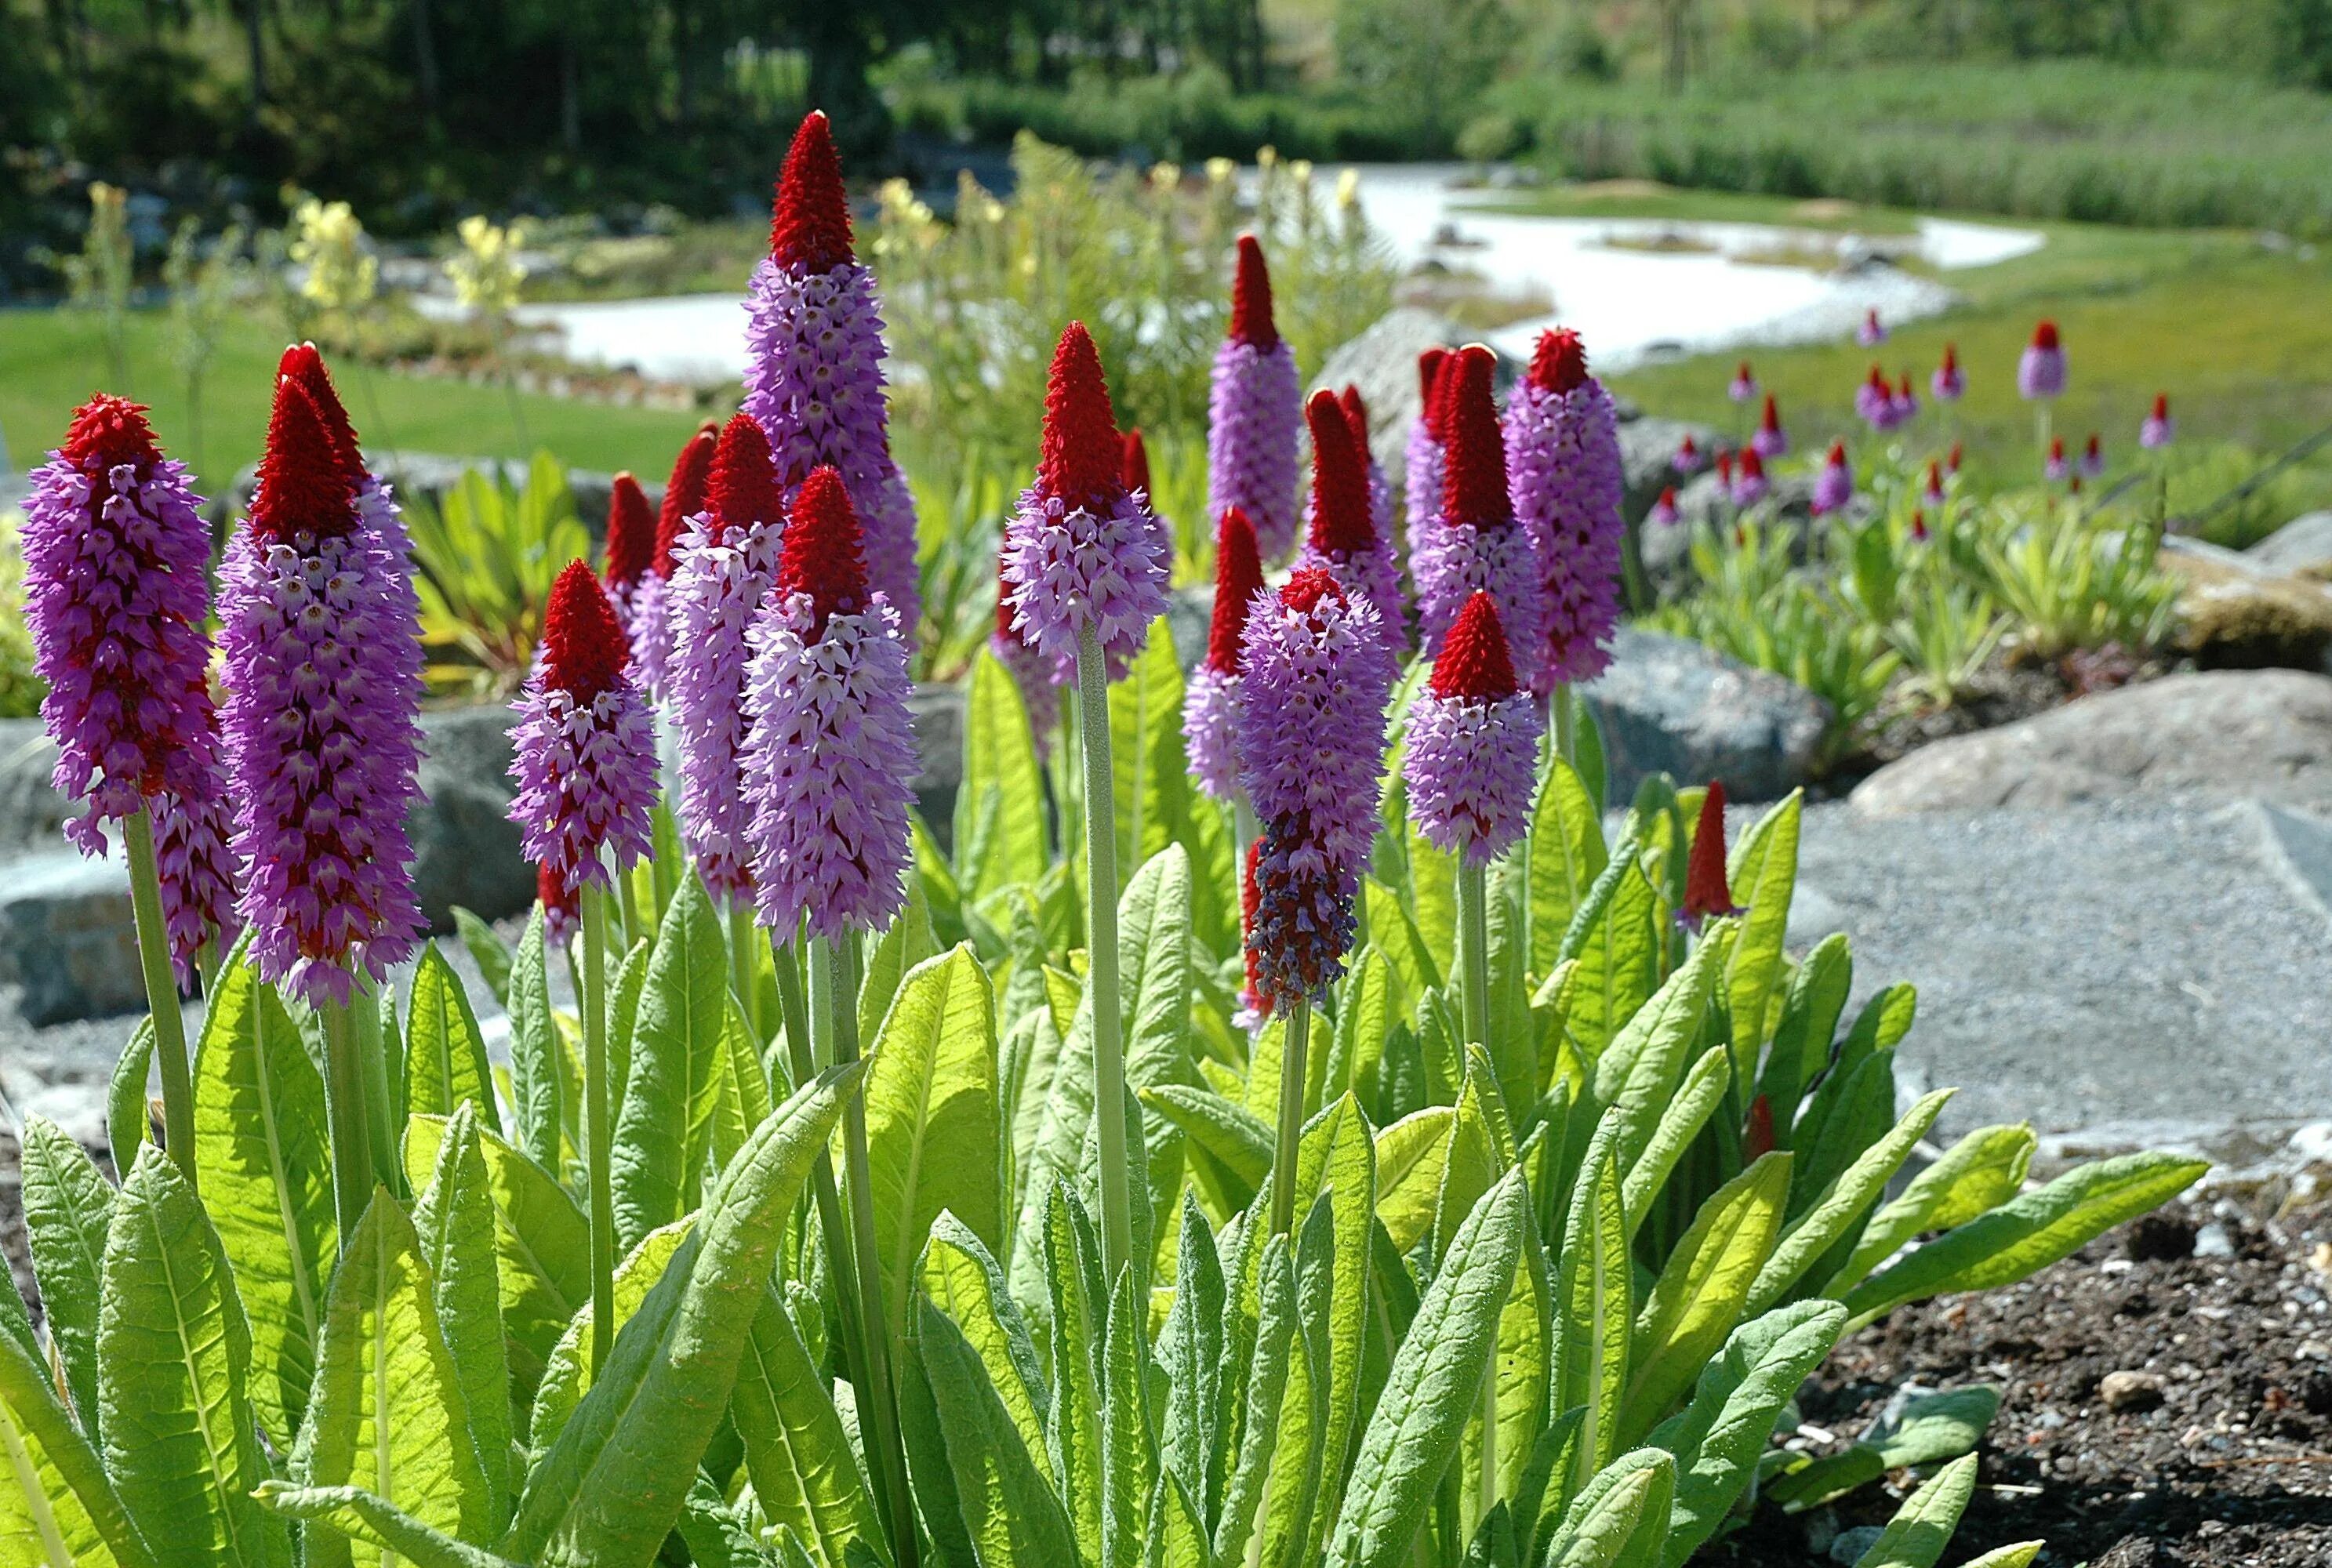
2001,693
2232,1469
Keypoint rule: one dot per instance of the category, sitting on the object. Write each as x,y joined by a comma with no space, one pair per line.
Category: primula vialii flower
1870,334
323,677
631,544
1749,484
1687,455
1875,401
1422,476
1210,704
1380,518
1474,540
2040,369
814,368
375,507
1664,511
1743,386
1340,533
1316,675
1834,486
2093,458
1947,383
115,598
2158,427
1253,413
1907,401
1563,468
683,498
728,559
1932,491
1706,895
584,750
1080,552
2058,466
1770,440
1470,754
830,766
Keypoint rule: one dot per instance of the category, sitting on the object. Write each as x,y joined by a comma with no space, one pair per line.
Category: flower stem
742,940
344,1109
1566,724
596,1148
627,895
1101,957
365,1022
1474,946
1293,1047
162,993
877,1402
802,1058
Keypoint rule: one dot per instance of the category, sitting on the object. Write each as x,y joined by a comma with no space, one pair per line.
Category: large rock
2302,547
466,848
66,939
2231,615
1668,705
2262,734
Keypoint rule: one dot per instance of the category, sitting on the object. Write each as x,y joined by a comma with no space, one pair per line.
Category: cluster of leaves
1544,1302
484,555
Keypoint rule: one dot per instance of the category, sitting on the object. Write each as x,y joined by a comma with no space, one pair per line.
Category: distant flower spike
1771,440
1706,895
1565,473
1253,413
1834,486
1947,383
1342,534
2040,369
1749,483
1211,702
583,749
1474,540
1664,511
1470,754
2158,427
1743,386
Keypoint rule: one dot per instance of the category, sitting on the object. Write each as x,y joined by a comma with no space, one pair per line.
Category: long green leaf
1594,1297
1620,1517
1269,1369
1001,785
57,1508
1915,1538
1681,1120
1698,1298
1842,1204
1567,853
1978,1173
1129,1452
1768,854
128,1113
962,1279
1190,1352
537,1081
804,1473
68,1204
661,1142
455,1223
362,1518
568,1374
1012,1516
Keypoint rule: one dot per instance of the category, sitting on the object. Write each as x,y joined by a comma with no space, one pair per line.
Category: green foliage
485,558
21,691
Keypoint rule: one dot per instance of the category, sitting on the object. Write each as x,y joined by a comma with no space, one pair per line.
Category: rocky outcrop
1668,705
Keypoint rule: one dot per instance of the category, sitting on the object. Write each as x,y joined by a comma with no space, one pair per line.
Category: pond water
1637,288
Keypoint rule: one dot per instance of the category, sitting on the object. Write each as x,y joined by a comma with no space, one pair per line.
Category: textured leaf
174,1368
1620,1517
1698,1296
1915,1538
262,1144
1001,785
455,1223
1227,1131
68,1204
665,1133
1010,1513
1190,1353
1842,1204
1435,1380
1411,1156
1638,1071
128,1113
388,1412
57,1508
1129,1454
933,1133
1810,1014
1072,1265
904,943
1567,853
962,1279
1613,938
568,1375
624,1022
1978,1173
612,1486
1265,1387
1681,1120
1767,858
445,1050
537,1081
377,1526
487,950
1593,1305
804,1473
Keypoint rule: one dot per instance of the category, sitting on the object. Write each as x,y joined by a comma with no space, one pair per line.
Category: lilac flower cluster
1469,755
1211,702
1473,542
2040,369
1340,533
584,750
1253,414
1564,472
201,878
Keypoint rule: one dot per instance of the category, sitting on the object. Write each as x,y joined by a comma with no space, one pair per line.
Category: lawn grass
52,360
1633,198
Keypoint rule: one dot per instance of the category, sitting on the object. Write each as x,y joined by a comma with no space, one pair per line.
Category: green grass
56,358
1649,199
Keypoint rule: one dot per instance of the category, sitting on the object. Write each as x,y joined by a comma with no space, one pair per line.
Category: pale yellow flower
330,241
486,275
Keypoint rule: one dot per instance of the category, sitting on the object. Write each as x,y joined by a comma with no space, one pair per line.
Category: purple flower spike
1770,439
1834,486
1871,333
728,559
1035,675
1253,413
1210,704
1422,457
584,752
1470,756
1473,540
1341,533
322,659
1874,400
2158,427
1317,673
1947,383
1564,469
114,551
631,545
1082,550
2040,369
1743,386
2093,458
1749,483
830,767
651,621
814,371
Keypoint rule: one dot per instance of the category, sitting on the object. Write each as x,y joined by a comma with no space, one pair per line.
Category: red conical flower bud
303,484
683,493
744,488
631,532
1705,890
1080,459
1474,663
302,363
1773,416
1135,467
584,649
2161,405
1251,299
810,228
1356,414
1430,366
1340,483
1307,587
1474,482
1238,577
1757,1137
111,429
1559,363
2045,335
824,556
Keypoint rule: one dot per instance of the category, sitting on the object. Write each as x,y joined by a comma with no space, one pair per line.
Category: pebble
2125,1392
2214,1240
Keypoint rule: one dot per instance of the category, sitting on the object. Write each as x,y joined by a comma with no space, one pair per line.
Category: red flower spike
1951,357
631,532
1080,459
1307,587
1724,465
683,493
1238,577
1135,465
1559,363
1689,449
1837,458
1430,366
1705,891
1904,386
743,486
302,363
1919,523
2090,450
2045,335
1772,417
1752,463
1667,497
1757,1137
2161,405
584,650
1952,461
1474,662
1474,480
1356,414
113,430
2057,450
1340,482
810,228
303,485
1878,380
555,897
825,555
1251,299
1250,894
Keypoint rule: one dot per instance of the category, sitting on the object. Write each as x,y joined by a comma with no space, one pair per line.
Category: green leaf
624,1022
542,1244
961,1278
1810,1014
804,1473
1227,1131
1072,1263
488,951
1390,927
1638,1073
1620,1517
1190,1350
1717,1438
1698,1298
262,1144
389,1412
57,1508
2030,1231
1002,786
1842,1203
665,1133
445,1051
568,1375
1010,1511
906,943
455,1223
612,1486
1411,1156
362,1517
2018,1554
1129,1454
129,1114
1767,858
1567,853
1681,1120
174,1367
1978,1173
1593,1302
1615,941
933,1139
1267,1375
537,1079
1434,1383
1915,1538
68,1204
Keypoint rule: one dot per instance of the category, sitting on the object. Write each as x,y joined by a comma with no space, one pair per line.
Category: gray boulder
66,939
2303,545
2258,734
466,848
1668,705
1647,449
